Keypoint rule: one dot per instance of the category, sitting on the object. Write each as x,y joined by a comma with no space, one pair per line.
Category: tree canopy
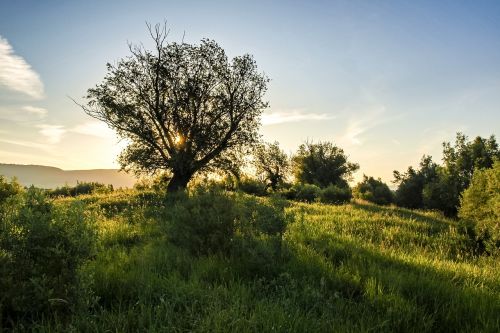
184,108
322,164
272,163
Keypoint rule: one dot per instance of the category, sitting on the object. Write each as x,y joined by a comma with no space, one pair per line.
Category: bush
8,189
252,186
335,195
81,188
373,190
306,192
42,248
202,222
481,207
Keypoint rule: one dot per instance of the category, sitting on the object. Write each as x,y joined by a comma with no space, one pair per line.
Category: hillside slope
50,177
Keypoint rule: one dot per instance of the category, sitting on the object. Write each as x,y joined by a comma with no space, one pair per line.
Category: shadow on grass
444,298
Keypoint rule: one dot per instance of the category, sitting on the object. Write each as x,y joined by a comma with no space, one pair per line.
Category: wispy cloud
16,74
35,110
53,133
362,123
94,128
292,116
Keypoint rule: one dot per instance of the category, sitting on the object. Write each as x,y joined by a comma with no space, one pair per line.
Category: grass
350,268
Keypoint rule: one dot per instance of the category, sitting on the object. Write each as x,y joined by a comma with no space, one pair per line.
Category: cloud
361,123
16,74
281,117
94,128
53,133
35,110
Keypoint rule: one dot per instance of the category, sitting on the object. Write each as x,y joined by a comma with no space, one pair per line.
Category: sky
388,81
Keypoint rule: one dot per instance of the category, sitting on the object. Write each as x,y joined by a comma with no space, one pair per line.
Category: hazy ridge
51,177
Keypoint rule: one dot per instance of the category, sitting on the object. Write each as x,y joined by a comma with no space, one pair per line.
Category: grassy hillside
349,268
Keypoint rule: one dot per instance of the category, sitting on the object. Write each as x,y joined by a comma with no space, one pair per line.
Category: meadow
230,262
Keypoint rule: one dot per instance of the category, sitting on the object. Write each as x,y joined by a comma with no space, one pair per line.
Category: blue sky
386,80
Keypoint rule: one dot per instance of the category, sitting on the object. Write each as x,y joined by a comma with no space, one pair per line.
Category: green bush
481,207
81,188
42,248
373,190
335,195
8,189
252,186
306,192
202,222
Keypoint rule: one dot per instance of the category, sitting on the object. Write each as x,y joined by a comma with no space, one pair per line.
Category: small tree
412,182
481,207
272,162
322,164
184,108
373,190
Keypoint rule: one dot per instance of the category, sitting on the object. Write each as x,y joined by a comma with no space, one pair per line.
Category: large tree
184,108
322,164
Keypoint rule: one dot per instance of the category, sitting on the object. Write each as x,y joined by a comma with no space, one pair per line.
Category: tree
322,164
466,157
481,207
184,108
373,190
412,182
272,162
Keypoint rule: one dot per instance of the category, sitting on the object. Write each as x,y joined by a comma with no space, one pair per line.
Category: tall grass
317,268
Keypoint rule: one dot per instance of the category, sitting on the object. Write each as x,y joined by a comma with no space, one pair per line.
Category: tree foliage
412,182
272,163
322,164
481,206
373,190
184,108
439,187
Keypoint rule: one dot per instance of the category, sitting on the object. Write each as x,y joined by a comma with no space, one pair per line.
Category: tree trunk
178,182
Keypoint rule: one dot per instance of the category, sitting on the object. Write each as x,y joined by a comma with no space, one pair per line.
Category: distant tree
466,156
439,187
481,207
184,108
322,164
412,182
373,190
272,163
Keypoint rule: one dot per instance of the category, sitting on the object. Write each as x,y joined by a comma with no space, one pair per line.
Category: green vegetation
373,190
212,260
481,207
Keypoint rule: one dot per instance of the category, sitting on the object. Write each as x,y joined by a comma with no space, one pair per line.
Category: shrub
335,194
306,192
81,188
8,189
373,190
481,207
42,248
202,222
252,186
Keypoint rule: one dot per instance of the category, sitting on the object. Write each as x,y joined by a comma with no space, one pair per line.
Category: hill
51,177
247,264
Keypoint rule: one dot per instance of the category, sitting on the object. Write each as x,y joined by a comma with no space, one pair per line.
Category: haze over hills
51,177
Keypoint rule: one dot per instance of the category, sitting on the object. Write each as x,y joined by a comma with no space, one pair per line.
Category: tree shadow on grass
444,298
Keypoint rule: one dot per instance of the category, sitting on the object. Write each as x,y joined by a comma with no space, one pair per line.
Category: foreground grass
351,268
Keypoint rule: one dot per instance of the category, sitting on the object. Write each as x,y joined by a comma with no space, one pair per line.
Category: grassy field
350,268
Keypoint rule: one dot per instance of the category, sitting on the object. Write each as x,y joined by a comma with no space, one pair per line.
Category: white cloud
94,128
35,110
53,133
361,123
16,74
280,117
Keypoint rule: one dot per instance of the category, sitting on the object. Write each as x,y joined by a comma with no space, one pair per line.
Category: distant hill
50,177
